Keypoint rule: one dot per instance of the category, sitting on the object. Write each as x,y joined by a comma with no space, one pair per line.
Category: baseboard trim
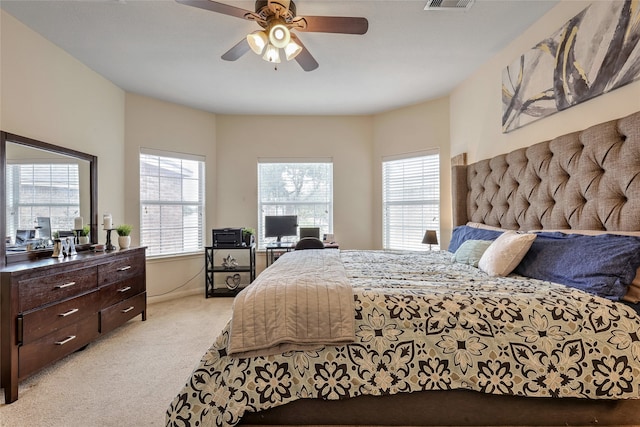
174,295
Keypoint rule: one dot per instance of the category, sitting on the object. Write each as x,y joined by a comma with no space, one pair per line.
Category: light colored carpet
127,378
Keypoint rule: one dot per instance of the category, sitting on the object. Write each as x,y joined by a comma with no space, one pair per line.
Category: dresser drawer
117,314
56,345
38,323
121,268
120,291
37,291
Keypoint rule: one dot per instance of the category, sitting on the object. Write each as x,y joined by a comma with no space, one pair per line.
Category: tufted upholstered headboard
586,180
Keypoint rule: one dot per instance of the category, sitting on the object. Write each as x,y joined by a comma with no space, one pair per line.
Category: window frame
417,230
327,203
199,205
15,206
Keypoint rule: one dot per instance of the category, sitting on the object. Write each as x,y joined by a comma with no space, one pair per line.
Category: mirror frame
5,137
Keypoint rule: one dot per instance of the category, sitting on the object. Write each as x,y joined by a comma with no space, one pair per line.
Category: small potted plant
124,238
83,235
248,236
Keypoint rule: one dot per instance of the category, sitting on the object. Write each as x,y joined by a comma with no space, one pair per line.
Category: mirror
47,204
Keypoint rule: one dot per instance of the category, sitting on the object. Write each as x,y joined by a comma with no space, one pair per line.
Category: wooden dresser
52,307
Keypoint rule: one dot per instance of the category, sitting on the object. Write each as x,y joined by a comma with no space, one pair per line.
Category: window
171,202
42,190
410,199
299,188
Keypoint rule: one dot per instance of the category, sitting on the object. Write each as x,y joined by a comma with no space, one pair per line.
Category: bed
477,335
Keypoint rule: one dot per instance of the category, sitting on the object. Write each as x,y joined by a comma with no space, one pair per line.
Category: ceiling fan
278,18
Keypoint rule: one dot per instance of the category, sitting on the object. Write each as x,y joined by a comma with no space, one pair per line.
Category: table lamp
430,238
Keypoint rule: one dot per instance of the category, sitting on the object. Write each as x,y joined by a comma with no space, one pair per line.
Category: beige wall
48,95
173,128
408,130
242,140
476,107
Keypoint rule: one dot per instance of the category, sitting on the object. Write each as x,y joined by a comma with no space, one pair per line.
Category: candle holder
108,245
77,236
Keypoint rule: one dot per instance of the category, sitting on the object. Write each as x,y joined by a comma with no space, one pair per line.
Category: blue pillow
463,233
602,265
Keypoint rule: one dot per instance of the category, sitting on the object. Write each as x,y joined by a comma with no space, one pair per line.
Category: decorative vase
83,240
124,242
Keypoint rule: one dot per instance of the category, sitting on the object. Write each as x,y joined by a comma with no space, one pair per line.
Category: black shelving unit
229,281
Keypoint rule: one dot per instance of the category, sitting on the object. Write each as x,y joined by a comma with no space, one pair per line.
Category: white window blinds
171,203
42,190
411,200
302,188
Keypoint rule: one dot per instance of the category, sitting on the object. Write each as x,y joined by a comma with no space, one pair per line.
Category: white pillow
505,253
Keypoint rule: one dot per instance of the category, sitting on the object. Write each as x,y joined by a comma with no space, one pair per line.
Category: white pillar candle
106,221
78,223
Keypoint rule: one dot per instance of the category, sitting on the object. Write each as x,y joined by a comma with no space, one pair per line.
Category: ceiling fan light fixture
279,35
272,54
277,19
292,50
257,41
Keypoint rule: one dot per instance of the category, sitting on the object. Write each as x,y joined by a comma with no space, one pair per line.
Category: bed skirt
449,408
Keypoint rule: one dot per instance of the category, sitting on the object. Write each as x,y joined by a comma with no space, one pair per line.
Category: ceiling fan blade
304,58
332,24
237,51
214,6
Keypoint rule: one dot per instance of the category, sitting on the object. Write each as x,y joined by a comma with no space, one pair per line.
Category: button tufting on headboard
583,180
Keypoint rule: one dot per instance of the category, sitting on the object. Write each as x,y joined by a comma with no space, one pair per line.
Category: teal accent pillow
470,252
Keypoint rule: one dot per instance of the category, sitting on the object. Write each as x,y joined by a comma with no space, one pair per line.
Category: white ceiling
169,51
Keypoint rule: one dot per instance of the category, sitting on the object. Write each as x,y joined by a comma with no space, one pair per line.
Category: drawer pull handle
128,288
126,310
63,342
66,285
73,310
124,268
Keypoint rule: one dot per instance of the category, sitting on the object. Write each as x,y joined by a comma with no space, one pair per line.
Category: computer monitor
309,232
23,236
280,226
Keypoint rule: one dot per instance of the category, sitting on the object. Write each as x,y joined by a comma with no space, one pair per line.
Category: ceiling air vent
449,4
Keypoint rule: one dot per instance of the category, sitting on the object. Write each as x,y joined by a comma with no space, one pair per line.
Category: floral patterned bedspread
423,323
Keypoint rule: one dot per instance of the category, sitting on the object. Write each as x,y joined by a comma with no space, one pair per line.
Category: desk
274,250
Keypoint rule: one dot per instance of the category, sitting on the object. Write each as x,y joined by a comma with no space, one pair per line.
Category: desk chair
309,243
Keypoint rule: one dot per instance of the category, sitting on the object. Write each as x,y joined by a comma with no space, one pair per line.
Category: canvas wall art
597,51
